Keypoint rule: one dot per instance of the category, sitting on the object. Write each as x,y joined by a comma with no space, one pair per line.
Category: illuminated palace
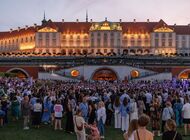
97,38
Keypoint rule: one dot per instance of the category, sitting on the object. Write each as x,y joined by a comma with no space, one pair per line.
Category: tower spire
86,15
44,15
44,20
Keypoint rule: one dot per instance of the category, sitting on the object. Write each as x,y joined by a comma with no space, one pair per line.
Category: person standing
69,127
186,114
117,114
166,114
171,133
142,133
58,109
92,113
15,108
124,110
46,110
79,125
133,109
37,110
133,126
101,118
155,113
178,112
26,111
83,106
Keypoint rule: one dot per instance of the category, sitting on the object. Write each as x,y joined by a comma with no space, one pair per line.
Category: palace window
156,43
26,39
163,42
112,42
105,39
54,35
170,42
139,43
163,35
31,39
99,42
92,42
156,35
47,35
132,42
170,35
54,43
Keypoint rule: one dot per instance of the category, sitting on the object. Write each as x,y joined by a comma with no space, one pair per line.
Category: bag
79,128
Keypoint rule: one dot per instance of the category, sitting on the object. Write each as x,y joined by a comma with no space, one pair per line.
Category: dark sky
14,13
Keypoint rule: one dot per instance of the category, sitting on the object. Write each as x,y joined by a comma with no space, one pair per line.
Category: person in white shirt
101,118
37,110
186,114
58,109
133,110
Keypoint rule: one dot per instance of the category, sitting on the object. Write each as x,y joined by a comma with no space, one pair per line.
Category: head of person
100,104
117,101
125,101
170,125
143,120
58,101
38,100
79,112
132,127
186,99
168,104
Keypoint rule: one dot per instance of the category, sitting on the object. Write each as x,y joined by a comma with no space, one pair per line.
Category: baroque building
97,38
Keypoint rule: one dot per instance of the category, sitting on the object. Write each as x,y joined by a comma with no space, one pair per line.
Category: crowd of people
90,106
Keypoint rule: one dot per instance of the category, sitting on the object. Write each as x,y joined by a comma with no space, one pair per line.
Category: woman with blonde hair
101,118
133,125
171,133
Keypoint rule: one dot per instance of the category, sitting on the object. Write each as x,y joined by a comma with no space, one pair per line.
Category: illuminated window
135,74
75,73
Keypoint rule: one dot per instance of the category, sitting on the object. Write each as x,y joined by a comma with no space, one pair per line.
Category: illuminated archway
185,74
20,73
104,74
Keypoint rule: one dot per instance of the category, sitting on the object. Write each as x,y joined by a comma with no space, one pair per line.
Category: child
94,132
58,109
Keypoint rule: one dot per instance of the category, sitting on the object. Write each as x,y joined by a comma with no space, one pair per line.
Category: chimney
18,28
77,20
63,20
26,27
175,24
120,20
11,30
91,20
134,20
148,20
35,25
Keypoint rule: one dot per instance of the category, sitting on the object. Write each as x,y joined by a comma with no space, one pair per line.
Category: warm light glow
75,73
27,46
47,29
135,73
163,29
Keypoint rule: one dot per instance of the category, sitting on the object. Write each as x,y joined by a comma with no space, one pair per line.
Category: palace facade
97,38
